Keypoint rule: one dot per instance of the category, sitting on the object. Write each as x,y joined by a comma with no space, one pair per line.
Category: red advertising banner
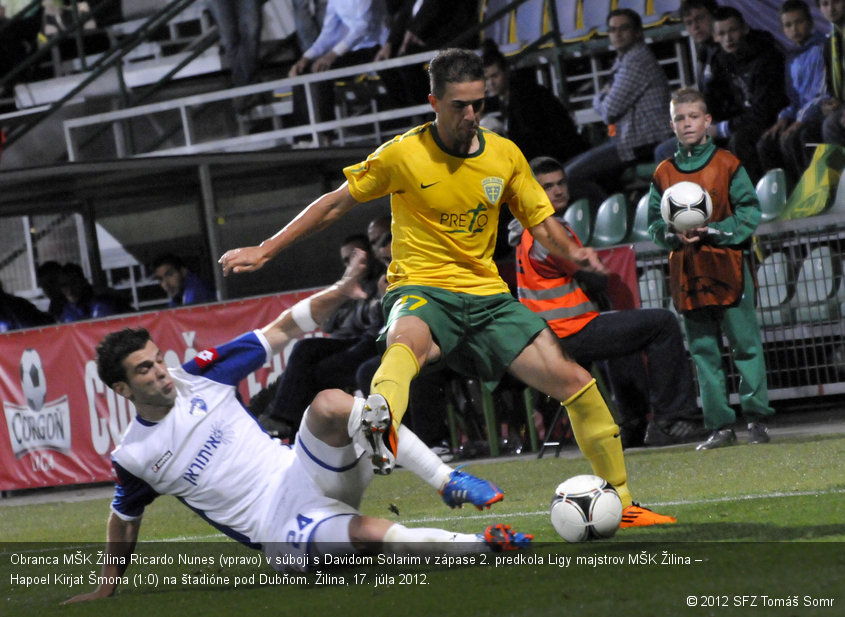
60,422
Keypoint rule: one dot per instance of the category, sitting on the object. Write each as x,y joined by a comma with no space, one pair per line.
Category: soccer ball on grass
585,507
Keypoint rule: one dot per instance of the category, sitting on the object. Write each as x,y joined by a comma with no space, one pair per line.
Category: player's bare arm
121,537
552,235
319,214
307,314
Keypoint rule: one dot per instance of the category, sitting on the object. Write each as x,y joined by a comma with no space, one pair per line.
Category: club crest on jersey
198,407
493,188
206,357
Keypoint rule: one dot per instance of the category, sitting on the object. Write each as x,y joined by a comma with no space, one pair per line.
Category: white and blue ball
584,508
686,206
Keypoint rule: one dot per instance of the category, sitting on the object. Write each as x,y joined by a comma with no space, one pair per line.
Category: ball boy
711,280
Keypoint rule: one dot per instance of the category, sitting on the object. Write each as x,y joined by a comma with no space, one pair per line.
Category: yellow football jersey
445,207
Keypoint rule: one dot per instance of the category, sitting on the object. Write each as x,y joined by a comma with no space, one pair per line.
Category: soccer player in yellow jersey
445,302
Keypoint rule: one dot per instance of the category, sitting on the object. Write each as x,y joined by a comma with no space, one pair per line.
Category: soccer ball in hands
33,381
685,206
585,507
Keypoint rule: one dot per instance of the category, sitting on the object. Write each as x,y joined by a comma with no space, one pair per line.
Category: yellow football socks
393,379
598,437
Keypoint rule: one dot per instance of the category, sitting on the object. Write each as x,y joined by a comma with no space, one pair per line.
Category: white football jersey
193,454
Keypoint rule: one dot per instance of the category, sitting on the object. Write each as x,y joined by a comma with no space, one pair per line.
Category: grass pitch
760,532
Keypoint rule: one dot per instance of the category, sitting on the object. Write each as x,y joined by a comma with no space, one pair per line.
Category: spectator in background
319,363
352,33
239,25
17,313
747,90
833,127
83,301
180,284
633,105
49,277
800,122
697,16
422,25
575,304
20,33
376,229
308,16
531,116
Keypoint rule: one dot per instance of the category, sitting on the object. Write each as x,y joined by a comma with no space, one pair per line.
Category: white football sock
430,541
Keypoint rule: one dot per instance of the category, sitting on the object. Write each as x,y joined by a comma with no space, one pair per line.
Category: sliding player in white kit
193,439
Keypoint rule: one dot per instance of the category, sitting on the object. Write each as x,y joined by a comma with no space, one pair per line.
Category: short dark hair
725,13
454,66
359,240
796,5
633,17
114,349
545,165
490,55
169,259
711,6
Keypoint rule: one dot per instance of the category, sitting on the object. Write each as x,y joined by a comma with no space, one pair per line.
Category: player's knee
330,407
367,532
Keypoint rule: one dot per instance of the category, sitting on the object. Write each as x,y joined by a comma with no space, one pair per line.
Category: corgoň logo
38,425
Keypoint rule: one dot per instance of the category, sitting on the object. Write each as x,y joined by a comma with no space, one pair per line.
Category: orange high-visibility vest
559,300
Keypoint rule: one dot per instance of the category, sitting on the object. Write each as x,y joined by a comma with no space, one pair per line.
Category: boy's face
730,34
690,122
698,23
796,26
833,11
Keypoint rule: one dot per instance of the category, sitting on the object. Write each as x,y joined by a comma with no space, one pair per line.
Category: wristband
301,313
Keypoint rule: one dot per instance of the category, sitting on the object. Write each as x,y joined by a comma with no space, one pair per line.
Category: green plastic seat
639,228
815,288
652,287
611,221
775,279
577,216
771,191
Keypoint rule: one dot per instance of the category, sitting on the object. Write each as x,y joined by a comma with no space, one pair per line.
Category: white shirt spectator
350,25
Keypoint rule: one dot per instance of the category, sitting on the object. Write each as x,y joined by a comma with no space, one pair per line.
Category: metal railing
800,304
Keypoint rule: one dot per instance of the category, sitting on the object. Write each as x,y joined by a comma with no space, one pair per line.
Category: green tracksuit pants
704,329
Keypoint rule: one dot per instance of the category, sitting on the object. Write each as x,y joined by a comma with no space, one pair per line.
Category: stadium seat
529,21
838,204
567,20
594,14
661,11
611,221
771,191
638,6
500,30
577,216
652,288
639,228
815,287
775,279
